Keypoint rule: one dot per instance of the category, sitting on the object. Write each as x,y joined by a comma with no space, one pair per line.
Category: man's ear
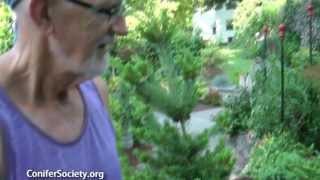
38,10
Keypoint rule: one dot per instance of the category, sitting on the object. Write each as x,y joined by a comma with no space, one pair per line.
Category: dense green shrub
312,73
157,30
132,113
179,155
6,34
291,46
185,39
282,158
126,107
189,64
301,102
261,111
160,62
172,95
211,56
234,119
155,34
300,59
186,157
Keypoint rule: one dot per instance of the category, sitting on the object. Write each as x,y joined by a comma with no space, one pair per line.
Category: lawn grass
237,61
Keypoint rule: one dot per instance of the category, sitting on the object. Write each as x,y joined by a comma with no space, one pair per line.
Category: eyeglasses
117,10
15,3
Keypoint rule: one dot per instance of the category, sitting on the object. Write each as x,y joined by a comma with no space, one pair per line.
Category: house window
218,6
229,25
230,39
231,5
214,30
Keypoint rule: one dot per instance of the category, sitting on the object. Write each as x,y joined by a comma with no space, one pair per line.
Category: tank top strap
91,92
93,96
7,110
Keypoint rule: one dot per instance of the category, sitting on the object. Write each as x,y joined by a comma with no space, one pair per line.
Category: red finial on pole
282,31
265,30
310,9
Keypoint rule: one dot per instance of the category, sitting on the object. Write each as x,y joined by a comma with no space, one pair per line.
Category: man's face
82,37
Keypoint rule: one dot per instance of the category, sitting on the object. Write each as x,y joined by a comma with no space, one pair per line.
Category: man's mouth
102,46
105,43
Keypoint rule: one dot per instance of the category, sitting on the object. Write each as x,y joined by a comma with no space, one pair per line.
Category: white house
215,24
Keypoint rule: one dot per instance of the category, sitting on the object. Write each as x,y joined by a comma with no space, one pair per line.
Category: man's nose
119,26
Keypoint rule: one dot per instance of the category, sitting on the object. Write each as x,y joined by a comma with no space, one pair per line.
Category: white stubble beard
96,66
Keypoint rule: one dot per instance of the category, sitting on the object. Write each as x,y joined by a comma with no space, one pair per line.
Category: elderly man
53,119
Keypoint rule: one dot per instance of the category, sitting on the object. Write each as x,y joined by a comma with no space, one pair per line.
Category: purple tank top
31,153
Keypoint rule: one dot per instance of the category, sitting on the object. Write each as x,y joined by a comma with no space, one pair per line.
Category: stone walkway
202,118
199,121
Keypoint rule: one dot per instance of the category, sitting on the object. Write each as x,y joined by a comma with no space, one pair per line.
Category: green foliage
183,39
190,65
159,63
173,96
234,119
261,111
172,88
234,61
296,18
157,30
300,59
127,108
136,5
180,10
291,8
217,3
154,33
132,113
158,34
211,56
301,102
185,53
184,12
251,16
281,158
185,157
291,45
312,73
6,34
136,71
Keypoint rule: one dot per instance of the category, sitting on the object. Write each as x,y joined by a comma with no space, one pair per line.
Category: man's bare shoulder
3,68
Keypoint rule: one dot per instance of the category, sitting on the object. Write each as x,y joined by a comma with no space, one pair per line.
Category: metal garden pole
310,10
265,34
282,30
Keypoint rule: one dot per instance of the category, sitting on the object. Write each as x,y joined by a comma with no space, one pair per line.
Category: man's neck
33,78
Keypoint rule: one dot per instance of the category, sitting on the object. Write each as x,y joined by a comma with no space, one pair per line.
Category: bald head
75,34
